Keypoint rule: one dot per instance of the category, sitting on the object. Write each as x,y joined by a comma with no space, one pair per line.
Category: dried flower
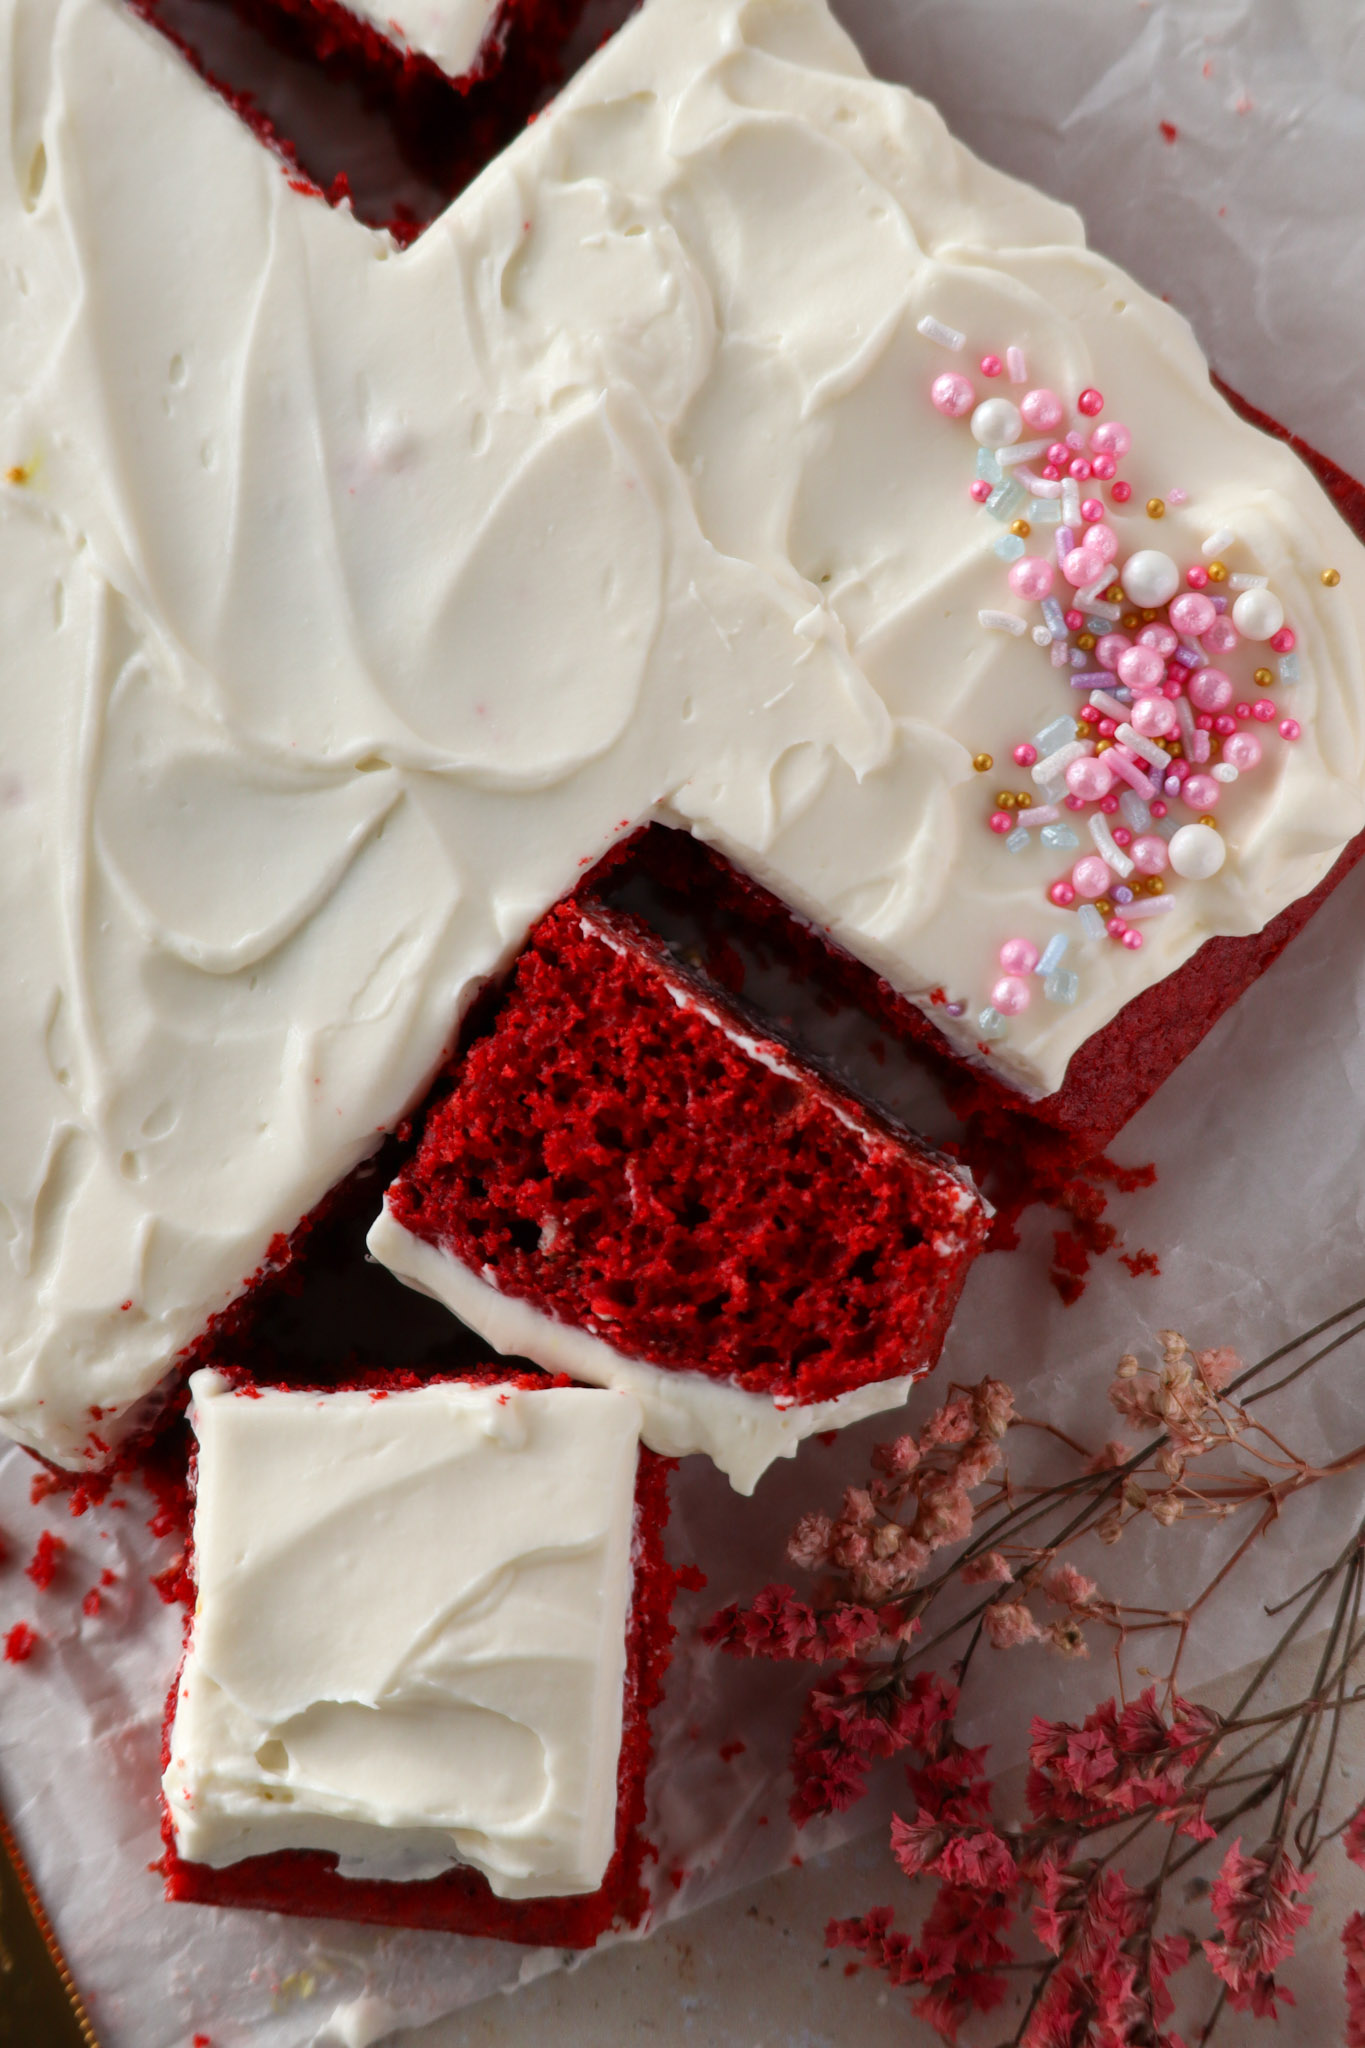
1066,1587
1008,1623
990,1569
1257,1902
810,1542
1353,1944
1353,1837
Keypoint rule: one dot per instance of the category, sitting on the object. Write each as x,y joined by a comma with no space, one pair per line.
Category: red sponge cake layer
639,1163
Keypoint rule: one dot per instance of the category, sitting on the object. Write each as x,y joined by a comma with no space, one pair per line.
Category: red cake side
307,1883
637,1162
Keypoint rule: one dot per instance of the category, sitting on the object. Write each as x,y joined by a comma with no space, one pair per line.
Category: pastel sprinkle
1052,956
1009,547
1140,744
939,331
1017,366
1060,838
1001,622
1151,906
1216,542
990,1023
1091,923
1064,986
1054,618
1106,846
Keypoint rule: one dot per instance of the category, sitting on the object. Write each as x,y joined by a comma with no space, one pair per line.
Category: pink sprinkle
1159,809
1025,755
1263,709
1091,876
1132,940
1111,437
1074,621
1075,803
980,490
1011,994
1017,366
1080,469
1242,710
1062,894
1103,466
1201,792
1290,728
1116,927
1059,453
1122,836
1285,641
1109,804
1177,496
1120,493
1018,956
1118,759
1196,576
952,394
1107,728
1092,512
1090,402
991,366
1001,821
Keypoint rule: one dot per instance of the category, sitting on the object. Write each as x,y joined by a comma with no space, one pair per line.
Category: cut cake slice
631,1181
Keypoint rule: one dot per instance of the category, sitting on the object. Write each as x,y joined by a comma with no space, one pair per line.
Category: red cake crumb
42,1566
625,1152
20,1643
306,1881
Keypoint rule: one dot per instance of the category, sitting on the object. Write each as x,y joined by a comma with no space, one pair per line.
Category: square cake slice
428,1626
631,1181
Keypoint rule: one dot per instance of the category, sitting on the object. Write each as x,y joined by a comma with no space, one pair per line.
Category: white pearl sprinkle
1258,614
1150,578
997,423
1197,852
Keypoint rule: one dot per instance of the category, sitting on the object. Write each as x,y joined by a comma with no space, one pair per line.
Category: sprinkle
1071,501
1077,657
1092,924
1061,654
1137,815
936,330
1055,765
990,1022
1110,706
1001,622
1243,581
1017,366
1177,496
1009,547
957,1009
1289,668
1060,838
1189,657
1039,487
1216,542
1006,501
1123,895
1065,541
1046,511
1224,771
1156,508
1017,841
988,470
1150,906
1103,613
1148,749
1041,637
1052,956
1056,733
1330,578
1039,814
1122,764
983,763
1064,987
1106,845
1054,618
1022,451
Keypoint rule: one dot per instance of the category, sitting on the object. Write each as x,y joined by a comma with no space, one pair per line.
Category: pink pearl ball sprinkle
1107,728
1043,411
1285,641
1197,577
1099,538
991,366
1122,836
1161,638
1011,994
1111,438
1153,717
1002,821
1201,792
1241,710
1059,454
1109,804
1062,894
1109,647
1243,751
1089,778
1018,956
1074,621
979,490
1031,578
1141,668
1074,803
1210,689
1051,472
1120,493
1091,402
1104,467
1149,853
1222,725
1264,710
1080,469
1025,754
1192,614
953,394
1221,637
1091,877
1132,940
1091,510
1290,728
1160,810
1082,566
1116,927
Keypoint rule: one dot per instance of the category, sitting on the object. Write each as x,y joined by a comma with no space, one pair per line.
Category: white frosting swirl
409,1642
354,599
450,32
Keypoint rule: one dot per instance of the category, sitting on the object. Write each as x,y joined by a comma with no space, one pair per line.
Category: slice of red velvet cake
630,1181
430,1622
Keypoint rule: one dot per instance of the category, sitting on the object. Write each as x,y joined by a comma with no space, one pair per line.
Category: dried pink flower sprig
1153,1777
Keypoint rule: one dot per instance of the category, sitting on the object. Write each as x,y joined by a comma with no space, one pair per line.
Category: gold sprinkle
18,474
1004,800
1156,508
1331,577
1131,621
1114,594
1174,748
1264,678
983,763
1086,642
1105,907
1155,885
1218,572
1023,801
1102,746
1209,819
1021,528
1149,614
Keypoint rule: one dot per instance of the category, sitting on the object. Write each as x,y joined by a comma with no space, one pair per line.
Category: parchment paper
1253,221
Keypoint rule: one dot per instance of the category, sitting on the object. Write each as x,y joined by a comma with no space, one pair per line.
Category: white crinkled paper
1252,219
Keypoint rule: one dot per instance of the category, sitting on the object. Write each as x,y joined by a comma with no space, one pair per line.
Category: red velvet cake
627,1178
360,1729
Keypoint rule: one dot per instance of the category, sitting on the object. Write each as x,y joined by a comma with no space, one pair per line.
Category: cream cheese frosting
450,32
409,1640
354,599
